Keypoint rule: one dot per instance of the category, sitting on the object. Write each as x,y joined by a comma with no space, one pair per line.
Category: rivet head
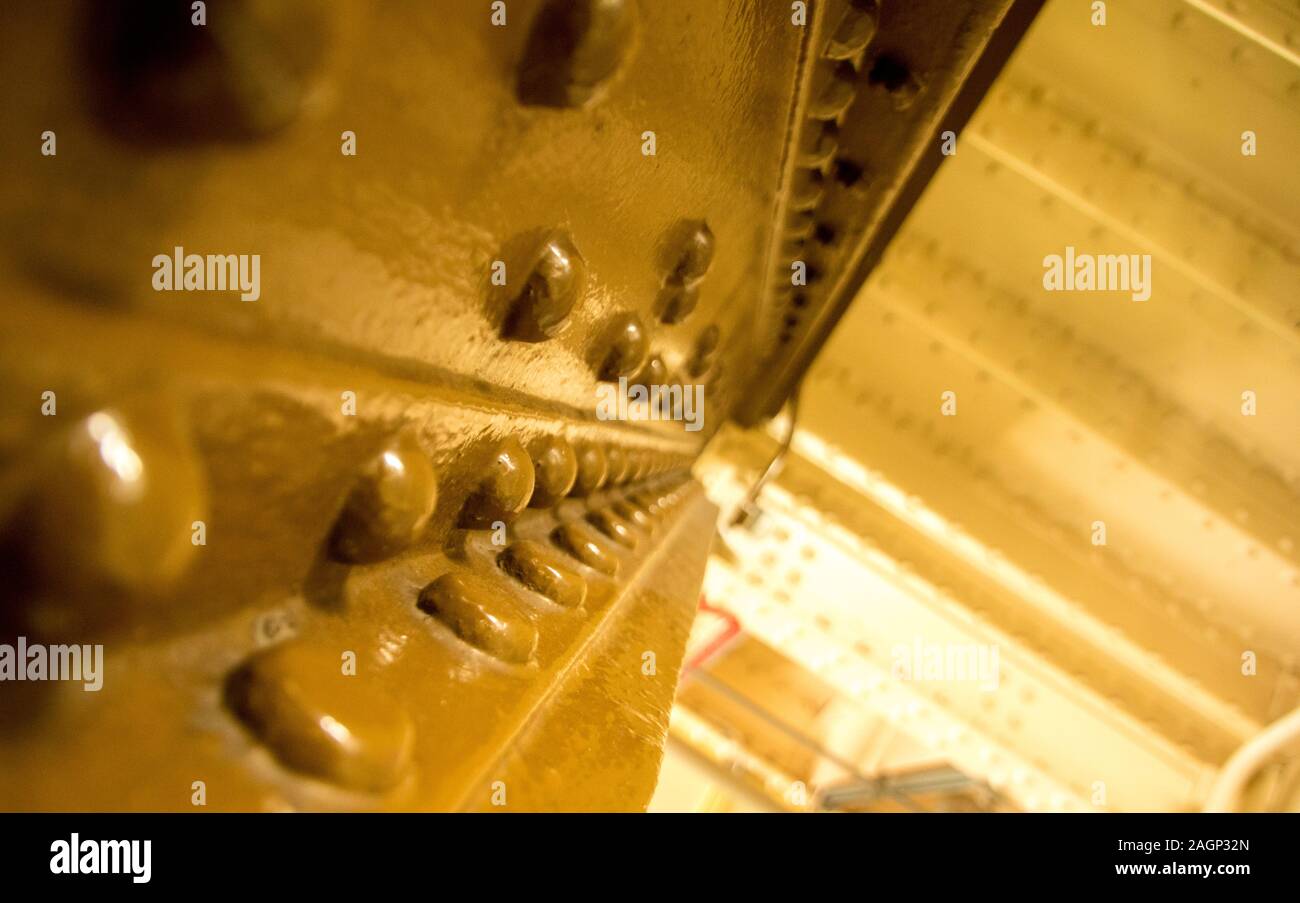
680,294
676,301
817,144
636,465
626,347
653,373
543,571
592,552
388,506
645,465
629,472
640,465
806,191
593,470
706,346
117,503
574,48
243,75
627,509
556,467
554,284
856,29
614,527
318,720
504,489
696,254
799,227
618,465
481,614
650,503
834,89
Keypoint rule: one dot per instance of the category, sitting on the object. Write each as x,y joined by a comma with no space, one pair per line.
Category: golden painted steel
309,311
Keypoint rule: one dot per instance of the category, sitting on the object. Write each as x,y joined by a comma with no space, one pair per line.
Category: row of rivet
110,477
285,694
334,728
316,721
823,170
395,496
555,281
494,621
834,88
573,49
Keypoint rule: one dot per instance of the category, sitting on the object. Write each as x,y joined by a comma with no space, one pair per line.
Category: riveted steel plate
312,312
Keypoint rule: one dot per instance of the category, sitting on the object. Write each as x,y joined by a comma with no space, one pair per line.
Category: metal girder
344,637
888,84
361,539
312,311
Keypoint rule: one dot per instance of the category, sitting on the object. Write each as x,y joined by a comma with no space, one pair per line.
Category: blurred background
1110,498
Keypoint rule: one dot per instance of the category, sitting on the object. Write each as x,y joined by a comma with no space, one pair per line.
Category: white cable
1225,795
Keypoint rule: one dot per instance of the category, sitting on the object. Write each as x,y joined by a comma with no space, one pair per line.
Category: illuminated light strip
722,750
1049,402
1274,327
995,566
1241,28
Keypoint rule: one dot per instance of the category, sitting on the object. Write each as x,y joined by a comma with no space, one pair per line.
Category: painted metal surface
361,538
310,313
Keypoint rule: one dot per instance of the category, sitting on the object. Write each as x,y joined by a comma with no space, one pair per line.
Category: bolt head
574,49
554,284
388,506
626,347
504,489
556,469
